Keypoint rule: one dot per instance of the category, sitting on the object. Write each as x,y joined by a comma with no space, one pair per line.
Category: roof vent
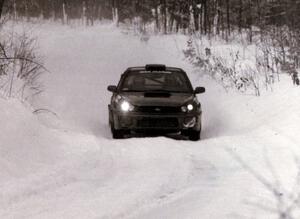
155,67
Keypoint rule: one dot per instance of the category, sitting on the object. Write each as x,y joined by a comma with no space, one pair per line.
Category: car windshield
156,81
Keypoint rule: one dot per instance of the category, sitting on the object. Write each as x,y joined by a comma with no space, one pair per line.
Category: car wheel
192,134
117,134
196,135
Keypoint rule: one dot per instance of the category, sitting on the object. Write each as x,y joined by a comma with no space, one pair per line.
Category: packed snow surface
63,163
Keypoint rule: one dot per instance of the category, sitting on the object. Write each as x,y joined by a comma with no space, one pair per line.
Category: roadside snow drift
62,163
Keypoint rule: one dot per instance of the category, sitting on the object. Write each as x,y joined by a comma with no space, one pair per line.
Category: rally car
155,98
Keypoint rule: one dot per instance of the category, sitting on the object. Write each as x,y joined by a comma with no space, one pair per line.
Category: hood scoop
157,94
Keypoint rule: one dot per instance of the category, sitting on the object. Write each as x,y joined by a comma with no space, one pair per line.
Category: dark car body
155,98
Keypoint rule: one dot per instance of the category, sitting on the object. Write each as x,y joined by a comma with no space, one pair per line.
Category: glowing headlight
187,108
125,106
190,107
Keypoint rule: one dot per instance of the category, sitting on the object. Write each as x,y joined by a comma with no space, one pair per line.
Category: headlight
187,108
125,106
190,107
122,104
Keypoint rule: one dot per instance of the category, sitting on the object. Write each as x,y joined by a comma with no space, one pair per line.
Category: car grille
158,109
158,123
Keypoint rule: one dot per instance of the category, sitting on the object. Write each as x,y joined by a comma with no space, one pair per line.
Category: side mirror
199,90
112,88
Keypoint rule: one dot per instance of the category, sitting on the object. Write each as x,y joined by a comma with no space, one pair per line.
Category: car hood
172,99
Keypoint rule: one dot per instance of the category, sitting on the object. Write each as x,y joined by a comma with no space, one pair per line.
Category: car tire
117,134
192,135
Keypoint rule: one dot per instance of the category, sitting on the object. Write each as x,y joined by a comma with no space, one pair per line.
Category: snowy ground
67,166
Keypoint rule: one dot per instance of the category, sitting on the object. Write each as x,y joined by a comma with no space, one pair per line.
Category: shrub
20,66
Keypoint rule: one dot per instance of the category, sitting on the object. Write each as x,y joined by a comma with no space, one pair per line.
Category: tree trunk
205,22
171,22
65,15
15,10
53,13
84,17
228,19
240,15
261,22
209,20
216,18
222,26
26,10
1,7
92,12
201,19
115,12
250,21
219,17
178,23
165,15
196,17
156,19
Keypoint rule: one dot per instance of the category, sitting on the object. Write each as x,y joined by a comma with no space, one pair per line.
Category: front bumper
137,121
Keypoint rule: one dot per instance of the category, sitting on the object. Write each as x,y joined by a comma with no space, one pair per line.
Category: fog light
184,109
189,122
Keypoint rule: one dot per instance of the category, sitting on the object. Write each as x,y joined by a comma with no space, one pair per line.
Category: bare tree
1,7
20,67
228,19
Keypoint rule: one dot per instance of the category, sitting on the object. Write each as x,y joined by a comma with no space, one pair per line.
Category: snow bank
24,141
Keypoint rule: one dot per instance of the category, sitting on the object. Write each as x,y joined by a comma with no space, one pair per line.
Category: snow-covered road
69,167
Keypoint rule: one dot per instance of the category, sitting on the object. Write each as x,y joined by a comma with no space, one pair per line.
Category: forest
207,16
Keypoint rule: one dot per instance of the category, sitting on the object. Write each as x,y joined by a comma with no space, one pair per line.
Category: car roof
153,67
